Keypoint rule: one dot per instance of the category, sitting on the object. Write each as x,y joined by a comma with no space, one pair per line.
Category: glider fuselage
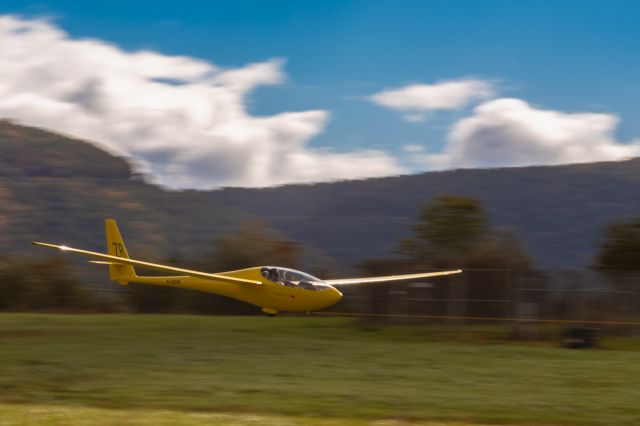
276,293
271,288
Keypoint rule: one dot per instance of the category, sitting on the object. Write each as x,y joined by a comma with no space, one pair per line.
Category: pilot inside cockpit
271,274
291,278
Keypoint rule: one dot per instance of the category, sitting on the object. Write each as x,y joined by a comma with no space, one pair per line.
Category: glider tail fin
123,274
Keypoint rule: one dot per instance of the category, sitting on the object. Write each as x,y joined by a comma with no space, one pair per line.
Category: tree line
450,232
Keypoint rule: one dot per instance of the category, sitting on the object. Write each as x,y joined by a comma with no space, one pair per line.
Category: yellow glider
271,288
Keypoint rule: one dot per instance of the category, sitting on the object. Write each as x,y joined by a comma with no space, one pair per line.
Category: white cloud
185,119
416,100
511,132
413,149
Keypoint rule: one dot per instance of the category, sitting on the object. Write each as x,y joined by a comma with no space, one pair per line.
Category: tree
454,232
448,228
499,248
12,285
255,243
620,249
45,284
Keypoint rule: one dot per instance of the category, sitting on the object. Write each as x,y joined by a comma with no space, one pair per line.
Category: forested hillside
53,188
559,212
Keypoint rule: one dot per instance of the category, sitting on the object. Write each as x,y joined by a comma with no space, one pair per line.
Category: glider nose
335,295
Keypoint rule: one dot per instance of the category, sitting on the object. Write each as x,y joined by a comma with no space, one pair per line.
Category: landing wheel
270,312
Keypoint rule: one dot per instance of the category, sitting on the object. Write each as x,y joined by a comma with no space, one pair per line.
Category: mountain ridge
557,212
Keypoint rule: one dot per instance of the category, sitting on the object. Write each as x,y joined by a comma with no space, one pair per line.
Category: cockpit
292,278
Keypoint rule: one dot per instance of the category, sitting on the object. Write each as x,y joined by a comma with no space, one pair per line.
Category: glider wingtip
38,243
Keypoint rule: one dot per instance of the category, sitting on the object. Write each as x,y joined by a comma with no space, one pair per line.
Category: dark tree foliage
620,249
154,299
451,232
454,231
255,243
498,249
12,285
448,227
41,285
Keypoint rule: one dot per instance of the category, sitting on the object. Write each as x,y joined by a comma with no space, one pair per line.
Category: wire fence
564,296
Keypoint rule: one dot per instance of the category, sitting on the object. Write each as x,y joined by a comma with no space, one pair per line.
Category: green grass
51,415
196,367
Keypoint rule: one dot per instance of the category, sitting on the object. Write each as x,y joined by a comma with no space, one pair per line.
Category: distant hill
557,212
28,152
59,189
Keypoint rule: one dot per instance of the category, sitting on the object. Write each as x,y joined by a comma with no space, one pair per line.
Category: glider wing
390,278
148,265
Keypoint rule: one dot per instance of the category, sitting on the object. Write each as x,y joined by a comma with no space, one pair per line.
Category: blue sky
565,56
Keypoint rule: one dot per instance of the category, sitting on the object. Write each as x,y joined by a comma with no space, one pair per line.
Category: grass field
51,415
115,369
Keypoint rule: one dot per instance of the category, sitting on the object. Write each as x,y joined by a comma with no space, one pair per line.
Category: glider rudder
123,274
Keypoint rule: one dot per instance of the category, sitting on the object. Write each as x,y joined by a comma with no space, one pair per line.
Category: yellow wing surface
390,278
155,266
116,260
273,289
